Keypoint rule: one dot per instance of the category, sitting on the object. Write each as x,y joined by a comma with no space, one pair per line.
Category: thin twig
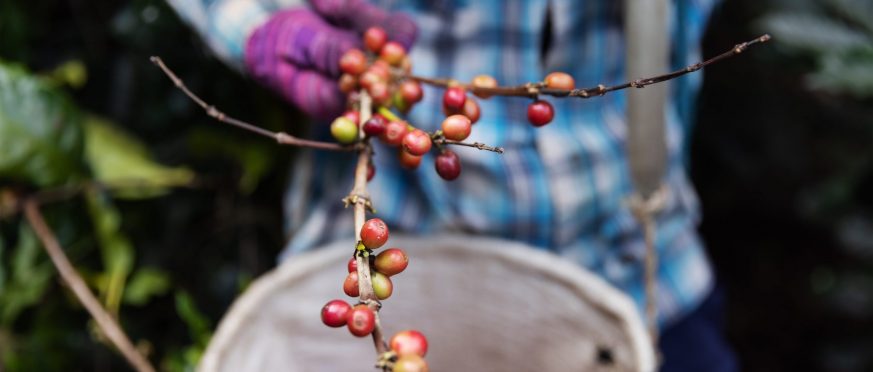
477,145
645,210
281,137
105,321
533,90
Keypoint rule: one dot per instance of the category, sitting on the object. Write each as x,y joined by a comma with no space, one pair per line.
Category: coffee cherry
409,342
361,320
371,172
393,53
382,285
411,91
350,285
409,161
353,115
347,83
559,80
456,127
406,64
369,78
454,98
335,313
394,133
484,81
353,62
448,165
375,38
471,110
375,126
391,262
352,265
381,69
344,130
410,363
540,113
417,142
374,233
379,92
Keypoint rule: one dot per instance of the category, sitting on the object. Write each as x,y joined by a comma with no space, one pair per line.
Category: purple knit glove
297,52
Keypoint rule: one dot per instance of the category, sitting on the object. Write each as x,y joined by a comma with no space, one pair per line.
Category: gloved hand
296,52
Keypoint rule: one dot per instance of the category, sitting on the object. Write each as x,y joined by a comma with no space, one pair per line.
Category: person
562,187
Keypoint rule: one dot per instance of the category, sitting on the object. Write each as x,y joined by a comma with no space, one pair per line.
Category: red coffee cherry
409,342
410,363
347,83
350,285
484,81
559,80
335,313
375,38
456,127
417,142
382,285
381,69
379,92
391,262
375,126
353,62
448,165
540,113
409,161
394,133
353,115
393,53
352,265
411,91
471,110
369,78
371,172
361,320
374,233
454,98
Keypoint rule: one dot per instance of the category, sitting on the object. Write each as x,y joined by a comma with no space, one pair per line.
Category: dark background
781,156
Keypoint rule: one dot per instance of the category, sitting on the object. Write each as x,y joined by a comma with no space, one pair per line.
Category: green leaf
813,32
29,277
115,248
253,156
144,284
120,160
198,324
40,131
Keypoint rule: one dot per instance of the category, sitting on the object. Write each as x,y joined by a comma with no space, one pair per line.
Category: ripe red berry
540,113
448,165
371,172
409,342
484,81
393,53
411,91
394,133
379,92
382,286
375,126
347,83
559,80
353,115
410,363
456,127
375,38
374,233
417,142
381,68
409,161
352,265
454,98
471,110
369,78
353,62
350,285
361,320
392,261
335,313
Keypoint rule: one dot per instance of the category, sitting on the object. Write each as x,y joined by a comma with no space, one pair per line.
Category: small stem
478,145
77,285
533,90
281,137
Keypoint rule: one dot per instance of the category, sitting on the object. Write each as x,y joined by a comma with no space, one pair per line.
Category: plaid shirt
562,187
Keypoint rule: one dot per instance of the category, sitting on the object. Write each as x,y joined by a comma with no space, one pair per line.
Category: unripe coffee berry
454,98
392,261
347,83
353,62
409,342
559,80
484,81
540,113
374,233
375,38
344,130
353,115
417,142
448,165
350,285
361,320
410,363
382,286
335,313
456,127
471,110
394,133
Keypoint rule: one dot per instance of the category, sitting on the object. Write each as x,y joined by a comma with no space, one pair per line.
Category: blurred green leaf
40,132
72,73
253,156
29,277
120,160
144,284
198,324
813,32
115,248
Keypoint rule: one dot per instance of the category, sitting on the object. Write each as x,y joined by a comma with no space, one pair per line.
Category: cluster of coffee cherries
408,347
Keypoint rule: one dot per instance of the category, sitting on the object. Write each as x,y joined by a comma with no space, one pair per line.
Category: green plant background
781,155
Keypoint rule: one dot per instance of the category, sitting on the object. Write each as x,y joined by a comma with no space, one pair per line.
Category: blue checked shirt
562,187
